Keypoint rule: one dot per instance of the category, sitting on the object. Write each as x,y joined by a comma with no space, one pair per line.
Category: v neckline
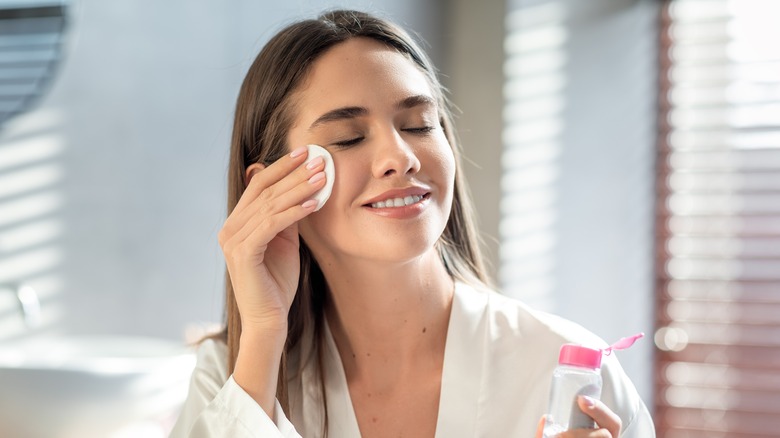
464,353
461,381
342,421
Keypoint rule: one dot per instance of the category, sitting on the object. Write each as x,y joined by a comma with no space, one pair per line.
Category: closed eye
420,130
350,142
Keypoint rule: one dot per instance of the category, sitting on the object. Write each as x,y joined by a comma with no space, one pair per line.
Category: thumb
540,428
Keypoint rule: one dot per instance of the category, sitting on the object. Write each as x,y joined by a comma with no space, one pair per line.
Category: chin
398,251
367,241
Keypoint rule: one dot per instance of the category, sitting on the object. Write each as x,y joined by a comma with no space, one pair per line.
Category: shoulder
521,352
517,340
514,321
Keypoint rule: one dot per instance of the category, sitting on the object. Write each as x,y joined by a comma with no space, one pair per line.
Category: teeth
397,202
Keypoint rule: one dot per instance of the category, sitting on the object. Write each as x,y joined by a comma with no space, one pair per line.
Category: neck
385,319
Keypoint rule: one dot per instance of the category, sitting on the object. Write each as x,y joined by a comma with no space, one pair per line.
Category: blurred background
623,155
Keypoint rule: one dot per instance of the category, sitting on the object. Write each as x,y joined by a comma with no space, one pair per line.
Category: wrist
269,336
257,363
266,324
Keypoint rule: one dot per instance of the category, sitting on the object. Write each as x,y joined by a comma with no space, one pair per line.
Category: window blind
30,46
718,239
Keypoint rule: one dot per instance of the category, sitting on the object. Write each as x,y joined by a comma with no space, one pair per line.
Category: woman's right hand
608,422
260,243
260,238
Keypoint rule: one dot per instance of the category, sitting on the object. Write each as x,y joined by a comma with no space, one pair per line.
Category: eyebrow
416,100
351,112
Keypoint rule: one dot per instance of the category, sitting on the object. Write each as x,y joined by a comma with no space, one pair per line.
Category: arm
260,242
261,246
219,408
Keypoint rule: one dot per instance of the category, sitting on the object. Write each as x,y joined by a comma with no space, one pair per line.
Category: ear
251,171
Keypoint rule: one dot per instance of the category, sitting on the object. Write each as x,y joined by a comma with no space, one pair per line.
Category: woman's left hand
608,422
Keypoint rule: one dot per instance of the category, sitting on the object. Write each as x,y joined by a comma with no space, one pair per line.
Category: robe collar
462,380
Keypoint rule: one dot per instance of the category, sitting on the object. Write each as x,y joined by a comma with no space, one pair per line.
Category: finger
289,182
273,225
254,237
270,203
601,414
243,223
256,194
540,428
253,200
585,433
274,172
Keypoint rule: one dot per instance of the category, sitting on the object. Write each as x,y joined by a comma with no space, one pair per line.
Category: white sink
96,386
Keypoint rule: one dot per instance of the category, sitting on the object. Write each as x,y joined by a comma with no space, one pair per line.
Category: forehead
359,72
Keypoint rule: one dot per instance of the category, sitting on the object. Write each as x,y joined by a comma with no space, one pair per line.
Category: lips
398,197
398,202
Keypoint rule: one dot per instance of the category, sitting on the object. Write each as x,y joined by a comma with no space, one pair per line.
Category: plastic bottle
578,373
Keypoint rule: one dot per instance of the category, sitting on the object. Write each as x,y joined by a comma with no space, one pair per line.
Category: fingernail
298,152
319,176
314,163
589,402
311,203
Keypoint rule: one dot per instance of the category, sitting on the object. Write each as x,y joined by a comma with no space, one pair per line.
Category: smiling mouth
399,202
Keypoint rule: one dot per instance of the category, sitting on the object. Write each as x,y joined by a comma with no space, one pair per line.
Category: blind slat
725,162
703,312
722,74
719,376
721,225
719,423
738,357
703,182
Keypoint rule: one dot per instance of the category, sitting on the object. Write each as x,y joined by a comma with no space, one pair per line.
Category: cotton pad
330,173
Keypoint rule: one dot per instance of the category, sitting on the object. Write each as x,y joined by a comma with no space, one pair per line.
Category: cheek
450,165
349,179
347,182
443,159
331,226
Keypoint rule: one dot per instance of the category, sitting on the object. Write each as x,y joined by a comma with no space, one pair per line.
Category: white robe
498,362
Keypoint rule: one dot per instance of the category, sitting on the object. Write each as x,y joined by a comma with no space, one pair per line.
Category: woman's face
374,111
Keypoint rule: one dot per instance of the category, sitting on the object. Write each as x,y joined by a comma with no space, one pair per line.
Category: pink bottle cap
577,355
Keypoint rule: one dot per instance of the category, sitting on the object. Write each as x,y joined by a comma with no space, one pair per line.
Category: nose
394,156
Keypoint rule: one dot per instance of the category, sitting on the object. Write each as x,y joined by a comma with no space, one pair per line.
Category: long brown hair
262,120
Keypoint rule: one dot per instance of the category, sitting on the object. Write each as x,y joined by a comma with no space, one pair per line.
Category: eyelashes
423,130
350,142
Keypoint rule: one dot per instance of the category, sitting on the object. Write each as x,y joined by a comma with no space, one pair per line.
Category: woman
368,317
